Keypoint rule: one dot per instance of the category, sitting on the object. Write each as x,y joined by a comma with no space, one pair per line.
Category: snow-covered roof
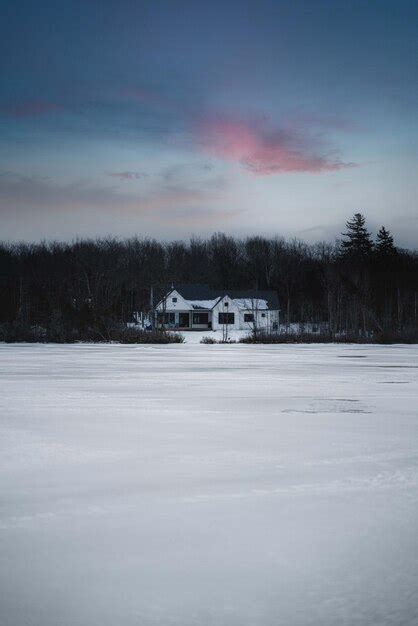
254,304
203,304
204,297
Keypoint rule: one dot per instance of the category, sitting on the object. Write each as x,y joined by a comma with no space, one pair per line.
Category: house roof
196,291
270,297
204,297
206,305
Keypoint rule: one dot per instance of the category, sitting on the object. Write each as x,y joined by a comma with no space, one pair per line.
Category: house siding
175,304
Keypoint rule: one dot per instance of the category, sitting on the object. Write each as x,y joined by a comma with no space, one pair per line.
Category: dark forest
361,286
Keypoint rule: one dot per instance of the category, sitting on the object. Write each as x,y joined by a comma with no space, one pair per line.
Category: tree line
87,289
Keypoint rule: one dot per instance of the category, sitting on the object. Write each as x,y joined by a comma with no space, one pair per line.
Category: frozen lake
208,485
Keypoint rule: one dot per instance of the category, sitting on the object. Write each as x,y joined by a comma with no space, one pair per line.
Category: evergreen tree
358,242
384,243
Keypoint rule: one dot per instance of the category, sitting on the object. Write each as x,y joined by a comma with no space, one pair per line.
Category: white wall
264,319
169,305
221,308
264,323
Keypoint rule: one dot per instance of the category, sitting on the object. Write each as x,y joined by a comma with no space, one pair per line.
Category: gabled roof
204,297
205,305
252,295
196,291
198,296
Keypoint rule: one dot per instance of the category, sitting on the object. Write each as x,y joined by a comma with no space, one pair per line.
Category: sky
174,118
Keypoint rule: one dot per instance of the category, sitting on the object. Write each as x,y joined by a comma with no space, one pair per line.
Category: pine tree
388,295
384,243
358,242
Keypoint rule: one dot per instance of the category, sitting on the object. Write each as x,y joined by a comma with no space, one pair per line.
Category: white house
197,307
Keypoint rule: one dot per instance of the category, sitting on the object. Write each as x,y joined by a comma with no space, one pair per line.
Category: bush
407,336
211,340
58,330
208,340
17,332
58,333
286,338
3,332
134,335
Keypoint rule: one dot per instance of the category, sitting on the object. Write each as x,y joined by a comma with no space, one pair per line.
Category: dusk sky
171,118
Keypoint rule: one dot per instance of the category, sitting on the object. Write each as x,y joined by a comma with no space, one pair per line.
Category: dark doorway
200,319
184,320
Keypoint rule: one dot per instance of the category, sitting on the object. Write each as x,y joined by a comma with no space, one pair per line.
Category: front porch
185,320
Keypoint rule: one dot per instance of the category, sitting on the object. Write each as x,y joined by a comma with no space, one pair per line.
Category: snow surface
211,485
241,303
195,336
251,304
203,304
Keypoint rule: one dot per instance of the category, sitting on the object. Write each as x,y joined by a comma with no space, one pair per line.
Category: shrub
57,333
211,340
208,340
16,332
134,335
407,336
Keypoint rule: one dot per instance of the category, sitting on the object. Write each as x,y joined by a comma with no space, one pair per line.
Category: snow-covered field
195,336
202,485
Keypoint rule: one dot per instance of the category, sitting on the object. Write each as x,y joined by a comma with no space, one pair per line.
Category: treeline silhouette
90,289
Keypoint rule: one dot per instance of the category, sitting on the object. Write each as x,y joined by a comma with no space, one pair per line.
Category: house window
173,299
226,318
263,315
166,318
248,317
226,304
200,318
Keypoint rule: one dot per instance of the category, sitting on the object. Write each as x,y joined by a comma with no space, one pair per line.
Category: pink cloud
32,108
126,175
264,150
